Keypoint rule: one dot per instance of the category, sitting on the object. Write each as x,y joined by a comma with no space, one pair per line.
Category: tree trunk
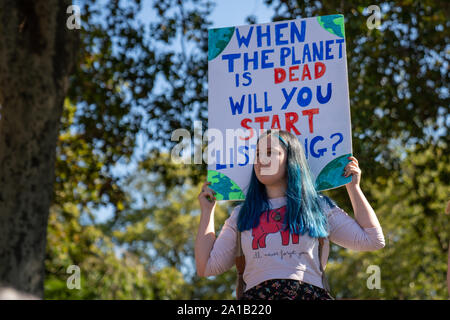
37,52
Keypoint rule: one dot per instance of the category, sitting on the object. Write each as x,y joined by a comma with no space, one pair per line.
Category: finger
205,184
347,173
353,158
349,168
206,191
210,190
209,194
353,162
206,188
351,172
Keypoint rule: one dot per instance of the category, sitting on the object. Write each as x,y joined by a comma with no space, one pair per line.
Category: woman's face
270,169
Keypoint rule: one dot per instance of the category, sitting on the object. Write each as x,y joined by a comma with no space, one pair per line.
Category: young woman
280,221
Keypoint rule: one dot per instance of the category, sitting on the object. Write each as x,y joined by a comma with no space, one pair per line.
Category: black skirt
286,289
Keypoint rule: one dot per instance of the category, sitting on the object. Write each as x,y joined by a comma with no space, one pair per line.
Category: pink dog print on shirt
274,225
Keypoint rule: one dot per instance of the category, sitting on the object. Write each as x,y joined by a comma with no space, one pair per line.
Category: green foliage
110,91
171,216
410,204
146,249
398,79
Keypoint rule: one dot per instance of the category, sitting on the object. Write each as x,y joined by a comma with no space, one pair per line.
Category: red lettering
279,75
244,124
291,118
261,121
306,72
275,120
291,74
318,73
310,113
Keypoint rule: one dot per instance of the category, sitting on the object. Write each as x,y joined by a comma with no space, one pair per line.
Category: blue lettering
300,35
320,97
256,104
266,106
306,52
218,165
303,102
328,56
237,106
295,61
241,151
284,53
230,57
242,40
254,60
279,35
319,152
260,35
264,63
287,97
316,53
247,76
340,41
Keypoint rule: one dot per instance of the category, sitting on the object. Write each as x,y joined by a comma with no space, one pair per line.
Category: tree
410,204
109,101
36,55
111,98
397,81
160,228
146,252
113,74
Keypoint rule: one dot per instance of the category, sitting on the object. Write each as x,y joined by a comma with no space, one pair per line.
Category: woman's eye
269,153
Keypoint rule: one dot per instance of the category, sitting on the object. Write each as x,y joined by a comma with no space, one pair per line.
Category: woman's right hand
206,198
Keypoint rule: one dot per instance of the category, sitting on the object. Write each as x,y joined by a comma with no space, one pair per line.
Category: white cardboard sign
288,75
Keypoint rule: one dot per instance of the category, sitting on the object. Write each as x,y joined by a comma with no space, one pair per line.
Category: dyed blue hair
304,213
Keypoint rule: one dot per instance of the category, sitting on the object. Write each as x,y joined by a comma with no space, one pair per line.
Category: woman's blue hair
304,214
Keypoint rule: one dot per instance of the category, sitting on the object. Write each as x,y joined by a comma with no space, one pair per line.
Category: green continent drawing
226,188
331,176
333,23
217,40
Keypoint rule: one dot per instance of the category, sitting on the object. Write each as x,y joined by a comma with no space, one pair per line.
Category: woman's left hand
352,168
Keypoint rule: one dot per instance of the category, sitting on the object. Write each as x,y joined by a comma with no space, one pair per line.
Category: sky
229,13
226,13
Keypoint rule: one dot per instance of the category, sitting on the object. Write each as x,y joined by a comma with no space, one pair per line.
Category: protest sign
288,75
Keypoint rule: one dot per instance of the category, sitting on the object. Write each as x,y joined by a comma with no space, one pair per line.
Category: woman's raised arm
215,256
206,232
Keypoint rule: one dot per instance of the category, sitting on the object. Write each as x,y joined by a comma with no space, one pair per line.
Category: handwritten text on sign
288,75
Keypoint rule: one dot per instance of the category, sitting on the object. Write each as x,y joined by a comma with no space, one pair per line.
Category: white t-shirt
271,253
